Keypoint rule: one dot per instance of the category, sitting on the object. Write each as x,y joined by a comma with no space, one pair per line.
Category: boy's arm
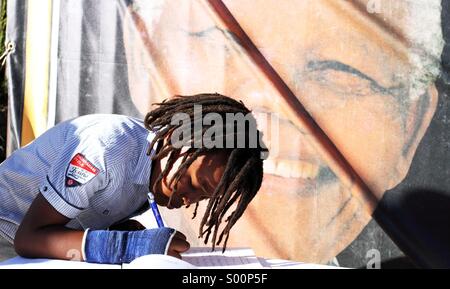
42,234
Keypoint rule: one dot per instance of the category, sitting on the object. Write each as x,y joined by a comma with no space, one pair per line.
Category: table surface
23,263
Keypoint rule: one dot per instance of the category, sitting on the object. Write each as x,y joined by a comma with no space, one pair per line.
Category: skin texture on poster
364,72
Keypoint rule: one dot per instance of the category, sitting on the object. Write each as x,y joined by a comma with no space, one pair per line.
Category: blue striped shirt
92,169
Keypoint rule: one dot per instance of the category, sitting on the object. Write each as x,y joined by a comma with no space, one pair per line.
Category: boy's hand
178,245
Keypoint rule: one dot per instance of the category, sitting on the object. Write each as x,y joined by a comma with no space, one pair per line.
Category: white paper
158,262
233,258
25,263
197,257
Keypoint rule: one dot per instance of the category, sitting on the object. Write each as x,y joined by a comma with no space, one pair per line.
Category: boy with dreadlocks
75,188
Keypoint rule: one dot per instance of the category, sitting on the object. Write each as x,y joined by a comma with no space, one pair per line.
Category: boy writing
64,190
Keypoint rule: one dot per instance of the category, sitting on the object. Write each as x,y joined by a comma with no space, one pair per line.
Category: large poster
351,97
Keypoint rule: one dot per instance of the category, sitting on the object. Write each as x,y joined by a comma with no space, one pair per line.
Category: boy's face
198,183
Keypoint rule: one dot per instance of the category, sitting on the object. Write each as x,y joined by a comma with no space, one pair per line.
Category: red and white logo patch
80,171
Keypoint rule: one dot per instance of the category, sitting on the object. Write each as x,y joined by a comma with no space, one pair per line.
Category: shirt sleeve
74,176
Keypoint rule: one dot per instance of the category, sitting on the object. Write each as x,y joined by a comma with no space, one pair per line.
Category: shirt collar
142,170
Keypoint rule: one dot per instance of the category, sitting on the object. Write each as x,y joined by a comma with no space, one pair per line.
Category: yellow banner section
38,41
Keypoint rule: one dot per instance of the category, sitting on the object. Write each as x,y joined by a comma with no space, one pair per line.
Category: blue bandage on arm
117,247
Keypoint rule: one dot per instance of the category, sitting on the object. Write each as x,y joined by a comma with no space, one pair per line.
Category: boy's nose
188,200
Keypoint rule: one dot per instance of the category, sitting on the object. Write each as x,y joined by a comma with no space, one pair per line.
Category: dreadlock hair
243,173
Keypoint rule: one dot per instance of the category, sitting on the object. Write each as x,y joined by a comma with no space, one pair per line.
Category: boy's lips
172,206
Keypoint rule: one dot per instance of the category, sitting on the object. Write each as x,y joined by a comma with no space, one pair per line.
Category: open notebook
200,257
197,257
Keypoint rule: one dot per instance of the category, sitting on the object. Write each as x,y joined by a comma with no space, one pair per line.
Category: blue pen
154,206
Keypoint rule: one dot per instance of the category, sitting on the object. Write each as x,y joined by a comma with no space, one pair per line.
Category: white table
23,263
